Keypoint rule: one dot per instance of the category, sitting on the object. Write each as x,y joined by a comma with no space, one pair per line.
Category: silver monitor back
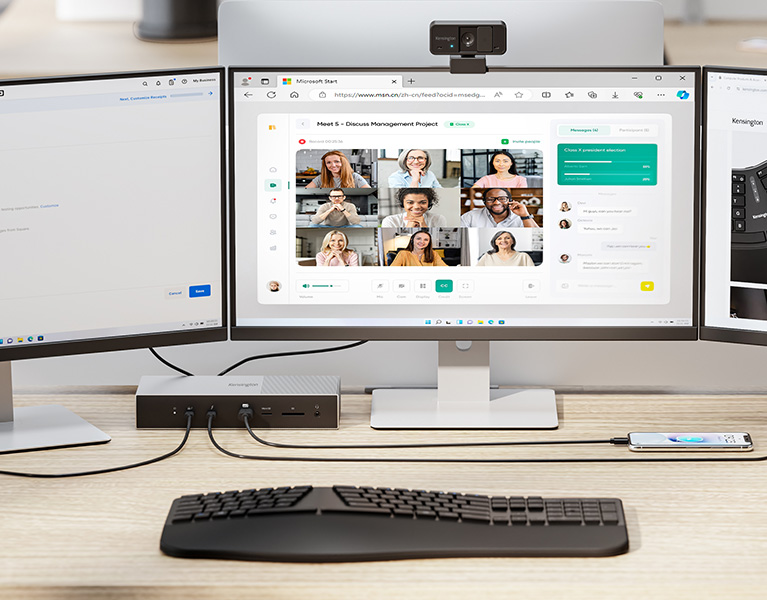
368,33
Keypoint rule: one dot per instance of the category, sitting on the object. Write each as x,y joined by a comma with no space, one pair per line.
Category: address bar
436,94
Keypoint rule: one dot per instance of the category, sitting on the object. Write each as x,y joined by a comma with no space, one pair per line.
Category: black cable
212,415
380,446
295,353
169,364
189,414
259,357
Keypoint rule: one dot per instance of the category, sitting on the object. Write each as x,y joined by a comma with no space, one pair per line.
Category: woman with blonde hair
335,253
336,172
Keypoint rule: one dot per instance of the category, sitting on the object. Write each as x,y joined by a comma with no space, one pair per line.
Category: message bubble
613,266
607,211
595,228
628,246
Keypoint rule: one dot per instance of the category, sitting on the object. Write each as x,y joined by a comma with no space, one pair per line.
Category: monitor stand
40,427
463,398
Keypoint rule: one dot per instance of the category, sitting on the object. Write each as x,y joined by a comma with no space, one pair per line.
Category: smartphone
639,441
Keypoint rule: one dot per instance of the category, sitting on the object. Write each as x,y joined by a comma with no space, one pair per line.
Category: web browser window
420,198
736,200
110,210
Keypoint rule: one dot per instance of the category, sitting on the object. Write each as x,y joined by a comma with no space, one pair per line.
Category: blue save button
198,291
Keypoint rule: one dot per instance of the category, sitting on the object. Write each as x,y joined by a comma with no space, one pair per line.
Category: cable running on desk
189,414
212,415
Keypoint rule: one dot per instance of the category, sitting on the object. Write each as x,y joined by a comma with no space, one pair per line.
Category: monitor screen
735,206
111,212
526,204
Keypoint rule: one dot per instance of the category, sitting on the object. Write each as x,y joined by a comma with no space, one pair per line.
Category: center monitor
416,204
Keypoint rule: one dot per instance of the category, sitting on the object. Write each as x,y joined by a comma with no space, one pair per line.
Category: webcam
467,43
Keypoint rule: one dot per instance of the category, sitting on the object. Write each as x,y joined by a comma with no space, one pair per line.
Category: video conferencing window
508,196
736,201
110,207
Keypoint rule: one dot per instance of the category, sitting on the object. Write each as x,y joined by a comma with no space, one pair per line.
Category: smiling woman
417,203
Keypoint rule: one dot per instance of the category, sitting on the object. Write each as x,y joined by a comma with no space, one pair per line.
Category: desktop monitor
734,249
111,225
416,204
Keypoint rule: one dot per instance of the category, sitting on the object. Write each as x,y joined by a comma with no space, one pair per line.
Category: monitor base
45,428
506,409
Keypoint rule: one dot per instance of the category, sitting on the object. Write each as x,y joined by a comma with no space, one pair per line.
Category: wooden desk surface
695,529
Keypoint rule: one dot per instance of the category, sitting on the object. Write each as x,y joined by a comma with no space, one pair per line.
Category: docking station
278,401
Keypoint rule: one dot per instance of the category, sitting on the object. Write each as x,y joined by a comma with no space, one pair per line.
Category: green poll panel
607,164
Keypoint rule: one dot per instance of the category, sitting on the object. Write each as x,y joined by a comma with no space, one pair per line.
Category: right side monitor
734,244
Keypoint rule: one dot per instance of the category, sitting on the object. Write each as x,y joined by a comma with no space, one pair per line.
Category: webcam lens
468,39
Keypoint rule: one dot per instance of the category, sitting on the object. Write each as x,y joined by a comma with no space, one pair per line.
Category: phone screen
690,440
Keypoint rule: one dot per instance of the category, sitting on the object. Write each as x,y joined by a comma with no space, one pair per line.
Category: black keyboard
749,224
343,523
749,204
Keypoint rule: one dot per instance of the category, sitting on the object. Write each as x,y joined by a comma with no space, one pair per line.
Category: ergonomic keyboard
749,224
344,523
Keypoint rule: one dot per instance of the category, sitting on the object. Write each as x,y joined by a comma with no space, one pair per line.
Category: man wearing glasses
337,212
500,211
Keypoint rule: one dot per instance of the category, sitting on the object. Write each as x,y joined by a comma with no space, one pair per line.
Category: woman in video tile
418,253
502,253
502,172
336,212
335,252
336,172
414,171
416,203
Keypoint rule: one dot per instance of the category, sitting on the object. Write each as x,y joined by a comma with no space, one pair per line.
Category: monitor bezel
141,340
531,333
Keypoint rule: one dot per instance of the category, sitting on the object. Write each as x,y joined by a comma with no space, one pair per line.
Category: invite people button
199,291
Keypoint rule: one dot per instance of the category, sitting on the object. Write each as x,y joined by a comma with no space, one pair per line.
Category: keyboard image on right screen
749,224
344,523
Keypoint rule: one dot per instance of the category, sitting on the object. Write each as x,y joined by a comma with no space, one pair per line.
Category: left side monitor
112,205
